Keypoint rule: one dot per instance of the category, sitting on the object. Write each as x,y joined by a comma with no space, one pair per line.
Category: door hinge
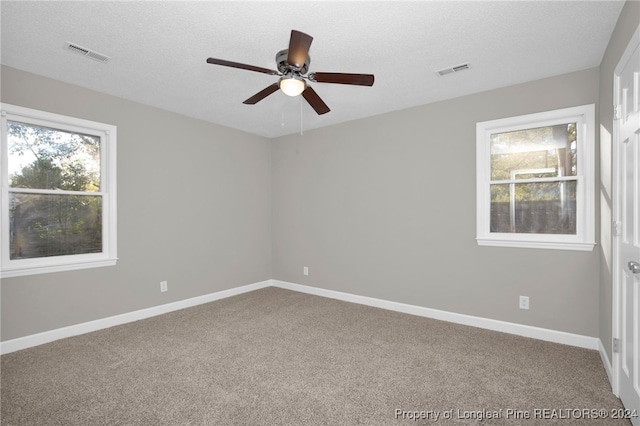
617,112
616,228
616,345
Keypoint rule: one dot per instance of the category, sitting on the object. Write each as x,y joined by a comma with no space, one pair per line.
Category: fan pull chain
301,131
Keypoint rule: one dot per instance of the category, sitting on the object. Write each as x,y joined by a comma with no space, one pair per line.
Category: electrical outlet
524,302
305,270
163,286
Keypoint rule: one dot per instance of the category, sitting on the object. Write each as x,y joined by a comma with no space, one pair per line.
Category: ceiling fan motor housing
285,68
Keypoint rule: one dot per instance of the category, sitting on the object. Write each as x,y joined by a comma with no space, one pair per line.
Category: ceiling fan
293,64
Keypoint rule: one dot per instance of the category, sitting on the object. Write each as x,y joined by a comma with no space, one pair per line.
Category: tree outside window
43,223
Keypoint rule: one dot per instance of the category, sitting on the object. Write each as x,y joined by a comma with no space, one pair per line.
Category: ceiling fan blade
342,78
299,45
314,100
261,94
222,62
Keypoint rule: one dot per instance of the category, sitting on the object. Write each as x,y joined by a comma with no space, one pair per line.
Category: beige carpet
277,357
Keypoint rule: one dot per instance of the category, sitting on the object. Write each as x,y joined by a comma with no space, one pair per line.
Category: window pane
54,225
541,208
534,153
44,158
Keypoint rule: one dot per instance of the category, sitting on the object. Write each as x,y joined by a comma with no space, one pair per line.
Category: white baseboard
608,368
87,327
490,324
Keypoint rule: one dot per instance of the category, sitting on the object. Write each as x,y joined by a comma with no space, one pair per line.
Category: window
58,209
535,180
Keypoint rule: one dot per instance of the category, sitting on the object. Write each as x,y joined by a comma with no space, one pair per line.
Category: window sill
536,244
24,271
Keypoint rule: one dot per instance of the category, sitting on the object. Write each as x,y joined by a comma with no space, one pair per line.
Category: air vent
91,54
451,70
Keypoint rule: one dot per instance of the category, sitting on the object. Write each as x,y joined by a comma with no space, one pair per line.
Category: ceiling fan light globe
292,86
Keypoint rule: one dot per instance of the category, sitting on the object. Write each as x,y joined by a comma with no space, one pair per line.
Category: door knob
634,267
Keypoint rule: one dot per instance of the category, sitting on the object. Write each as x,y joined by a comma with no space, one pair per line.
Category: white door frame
616,213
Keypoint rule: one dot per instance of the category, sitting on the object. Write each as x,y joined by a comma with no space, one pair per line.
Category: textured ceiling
159,49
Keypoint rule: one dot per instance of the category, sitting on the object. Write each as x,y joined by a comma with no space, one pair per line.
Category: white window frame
108,137
584,239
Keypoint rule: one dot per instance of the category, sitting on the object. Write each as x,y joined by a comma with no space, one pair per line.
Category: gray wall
385,207
381,207
626,26
194,208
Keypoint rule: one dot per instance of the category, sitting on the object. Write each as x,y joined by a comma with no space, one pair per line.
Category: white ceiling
159,49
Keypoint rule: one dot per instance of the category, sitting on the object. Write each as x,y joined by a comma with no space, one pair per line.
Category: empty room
320,212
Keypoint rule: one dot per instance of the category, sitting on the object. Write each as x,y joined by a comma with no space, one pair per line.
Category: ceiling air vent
91,54
451,70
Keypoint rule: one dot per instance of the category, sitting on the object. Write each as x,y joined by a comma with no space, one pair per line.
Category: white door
627,139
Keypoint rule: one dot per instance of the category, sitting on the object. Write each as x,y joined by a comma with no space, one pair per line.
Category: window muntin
535,180
58,192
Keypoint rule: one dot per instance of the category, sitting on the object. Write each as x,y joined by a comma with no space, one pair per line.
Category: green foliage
41,174
61,160
46,224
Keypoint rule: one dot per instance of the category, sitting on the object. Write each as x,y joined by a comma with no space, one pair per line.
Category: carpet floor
278,357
